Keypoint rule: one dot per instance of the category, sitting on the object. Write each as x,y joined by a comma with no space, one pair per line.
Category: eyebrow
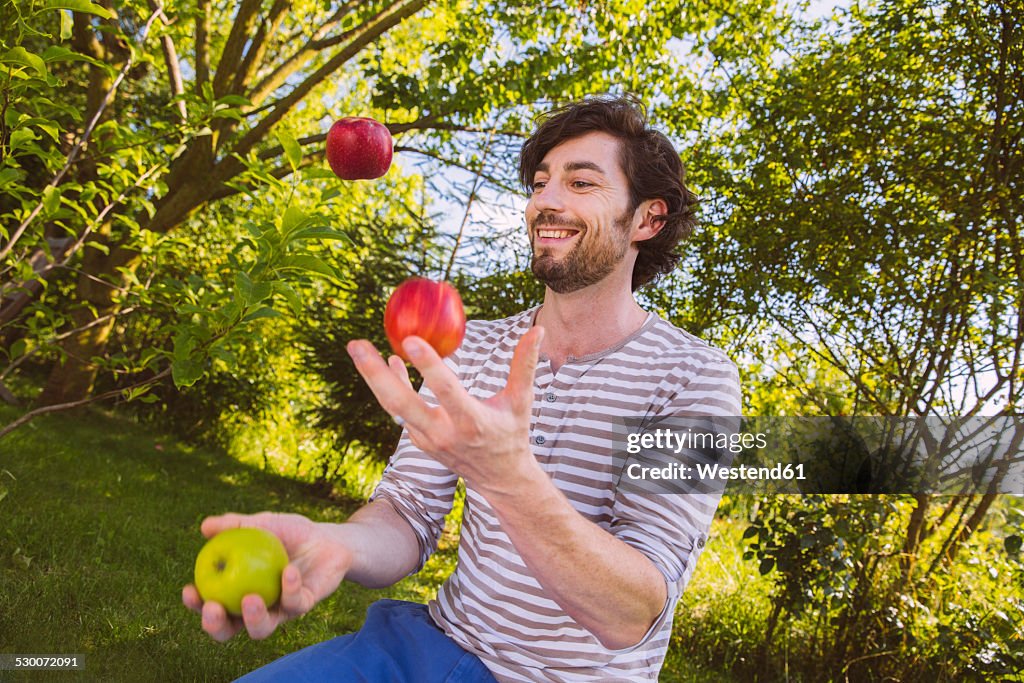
570,166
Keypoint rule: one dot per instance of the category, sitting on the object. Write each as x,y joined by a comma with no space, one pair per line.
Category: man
562,575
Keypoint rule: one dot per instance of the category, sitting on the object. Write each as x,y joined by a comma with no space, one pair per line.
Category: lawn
99,531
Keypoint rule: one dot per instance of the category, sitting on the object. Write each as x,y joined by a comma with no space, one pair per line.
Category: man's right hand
318,563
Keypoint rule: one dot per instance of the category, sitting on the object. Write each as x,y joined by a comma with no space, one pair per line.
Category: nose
547,198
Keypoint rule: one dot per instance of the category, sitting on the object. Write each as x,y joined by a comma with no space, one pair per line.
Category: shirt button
540,440
700,541
550,398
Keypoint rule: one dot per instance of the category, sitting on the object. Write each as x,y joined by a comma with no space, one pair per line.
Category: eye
538,185
581,184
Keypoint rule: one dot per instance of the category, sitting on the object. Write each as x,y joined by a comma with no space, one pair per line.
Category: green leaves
293,219
279,253
264,312
19,56
290,296
66,25
292,150
321,233
839,210
308,263
9,176
83,6
51,199
249,292
58,53
187,363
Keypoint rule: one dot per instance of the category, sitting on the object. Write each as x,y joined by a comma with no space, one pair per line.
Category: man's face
578,216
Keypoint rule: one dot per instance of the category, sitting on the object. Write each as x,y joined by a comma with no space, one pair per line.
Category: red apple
359,148
427,309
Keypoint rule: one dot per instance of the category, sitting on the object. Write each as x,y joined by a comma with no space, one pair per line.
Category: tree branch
202,65
318,42
260,131
173,66
113,42
98,221
491,179
296,61
316,157
231,57
62,336
258,46
469,206
32,414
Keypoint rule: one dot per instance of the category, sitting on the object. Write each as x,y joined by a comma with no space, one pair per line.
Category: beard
588,262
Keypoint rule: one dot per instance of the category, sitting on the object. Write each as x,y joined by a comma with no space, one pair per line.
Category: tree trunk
915,528
73,377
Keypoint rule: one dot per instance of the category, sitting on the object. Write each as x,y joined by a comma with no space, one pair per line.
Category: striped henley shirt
491,604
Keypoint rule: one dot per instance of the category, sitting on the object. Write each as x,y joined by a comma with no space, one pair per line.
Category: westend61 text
676,441
706,472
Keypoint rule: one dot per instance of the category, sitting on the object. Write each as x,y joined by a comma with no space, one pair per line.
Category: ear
650,224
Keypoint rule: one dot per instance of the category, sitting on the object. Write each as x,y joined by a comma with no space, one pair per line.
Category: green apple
237,562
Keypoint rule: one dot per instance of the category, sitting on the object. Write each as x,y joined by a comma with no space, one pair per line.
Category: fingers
218,623
190,596
212,526
276,523
259,621
394,392
221,626
450,393
519,387
397,366
295,598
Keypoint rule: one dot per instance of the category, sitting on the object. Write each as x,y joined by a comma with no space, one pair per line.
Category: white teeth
554,234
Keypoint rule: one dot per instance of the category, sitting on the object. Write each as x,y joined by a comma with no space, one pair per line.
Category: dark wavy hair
648,159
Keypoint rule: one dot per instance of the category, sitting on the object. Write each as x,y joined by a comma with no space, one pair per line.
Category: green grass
99,528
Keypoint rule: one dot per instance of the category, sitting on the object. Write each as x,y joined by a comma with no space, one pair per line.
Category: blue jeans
398,642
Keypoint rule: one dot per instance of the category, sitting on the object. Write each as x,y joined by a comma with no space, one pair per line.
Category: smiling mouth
550,233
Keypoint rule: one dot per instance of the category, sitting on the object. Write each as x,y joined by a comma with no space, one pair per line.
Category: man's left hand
484,441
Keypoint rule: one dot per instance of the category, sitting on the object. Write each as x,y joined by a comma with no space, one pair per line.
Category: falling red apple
359,148
427,309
